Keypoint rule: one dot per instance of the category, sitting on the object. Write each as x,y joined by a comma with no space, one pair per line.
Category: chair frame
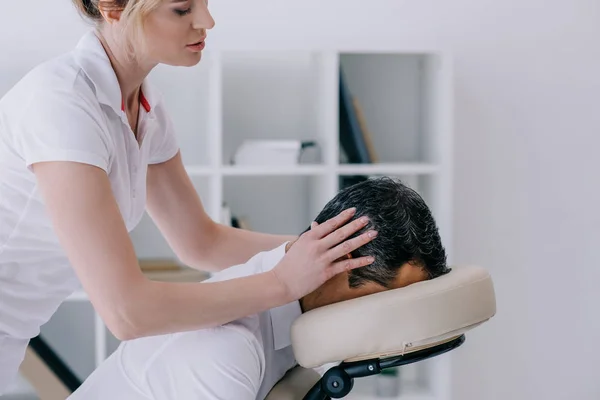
338,381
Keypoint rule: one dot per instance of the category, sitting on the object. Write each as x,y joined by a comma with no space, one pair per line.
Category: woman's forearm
155,308
231,246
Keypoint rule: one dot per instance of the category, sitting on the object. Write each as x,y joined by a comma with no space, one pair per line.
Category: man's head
407,249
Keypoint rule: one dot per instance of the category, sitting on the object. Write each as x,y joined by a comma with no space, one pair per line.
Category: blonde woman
86,147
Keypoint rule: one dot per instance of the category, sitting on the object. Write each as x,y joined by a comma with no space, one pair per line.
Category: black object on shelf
351,135
55,363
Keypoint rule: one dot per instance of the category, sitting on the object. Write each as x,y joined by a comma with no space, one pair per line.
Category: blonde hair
133,15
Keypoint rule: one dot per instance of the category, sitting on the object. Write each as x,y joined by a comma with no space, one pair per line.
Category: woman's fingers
344,232
350,245
332,224
350,264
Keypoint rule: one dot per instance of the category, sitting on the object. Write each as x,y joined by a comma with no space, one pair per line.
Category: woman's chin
187,60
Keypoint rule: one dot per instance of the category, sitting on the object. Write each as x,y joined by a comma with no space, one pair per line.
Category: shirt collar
94,61
282,317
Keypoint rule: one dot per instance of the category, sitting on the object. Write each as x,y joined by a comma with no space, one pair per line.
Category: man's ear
290,244
346,257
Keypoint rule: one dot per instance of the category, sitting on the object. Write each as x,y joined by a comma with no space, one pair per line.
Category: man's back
240,360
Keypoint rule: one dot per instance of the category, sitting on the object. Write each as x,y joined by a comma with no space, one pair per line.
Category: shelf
298,170
277,95
388,169
232,96
397,99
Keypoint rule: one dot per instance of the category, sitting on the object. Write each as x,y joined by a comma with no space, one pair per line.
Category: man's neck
333,291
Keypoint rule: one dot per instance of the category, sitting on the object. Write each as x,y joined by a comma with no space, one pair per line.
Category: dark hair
90,8
407,232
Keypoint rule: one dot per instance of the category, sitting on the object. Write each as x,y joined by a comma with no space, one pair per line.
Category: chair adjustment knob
337,383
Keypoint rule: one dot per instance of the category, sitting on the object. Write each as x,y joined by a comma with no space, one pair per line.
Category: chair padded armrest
396,321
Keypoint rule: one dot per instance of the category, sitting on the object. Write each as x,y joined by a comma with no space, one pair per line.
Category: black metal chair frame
338,381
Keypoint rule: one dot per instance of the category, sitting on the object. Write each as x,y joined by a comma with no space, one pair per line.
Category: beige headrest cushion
396,321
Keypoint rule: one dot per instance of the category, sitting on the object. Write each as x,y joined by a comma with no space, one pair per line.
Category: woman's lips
199,46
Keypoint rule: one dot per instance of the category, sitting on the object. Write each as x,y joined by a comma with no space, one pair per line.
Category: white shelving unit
231,96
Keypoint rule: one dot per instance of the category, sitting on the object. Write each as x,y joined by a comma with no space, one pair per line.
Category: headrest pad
395,321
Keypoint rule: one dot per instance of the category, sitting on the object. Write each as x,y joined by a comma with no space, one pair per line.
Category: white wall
527,123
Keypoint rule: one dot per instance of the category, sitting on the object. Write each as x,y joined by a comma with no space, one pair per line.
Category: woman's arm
92,232
197,240
235,246
85,216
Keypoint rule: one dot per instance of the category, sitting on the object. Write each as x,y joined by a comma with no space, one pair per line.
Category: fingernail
351,210
372,234
364,220
370,259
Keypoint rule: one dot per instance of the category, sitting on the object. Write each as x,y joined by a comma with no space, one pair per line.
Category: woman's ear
110,16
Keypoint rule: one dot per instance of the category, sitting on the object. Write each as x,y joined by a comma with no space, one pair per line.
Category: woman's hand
315,256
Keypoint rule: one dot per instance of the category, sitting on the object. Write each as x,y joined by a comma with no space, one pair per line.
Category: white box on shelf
274,152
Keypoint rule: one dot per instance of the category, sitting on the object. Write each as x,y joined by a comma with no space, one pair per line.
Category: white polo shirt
241,360
68,108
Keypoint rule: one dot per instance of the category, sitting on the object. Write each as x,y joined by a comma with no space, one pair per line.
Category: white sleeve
210,364
56,126
165,145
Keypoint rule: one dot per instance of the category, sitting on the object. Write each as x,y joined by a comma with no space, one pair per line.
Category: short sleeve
57,126
164,144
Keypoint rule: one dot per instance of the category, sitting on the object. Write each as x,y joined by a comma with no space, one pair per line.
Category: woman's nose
202,17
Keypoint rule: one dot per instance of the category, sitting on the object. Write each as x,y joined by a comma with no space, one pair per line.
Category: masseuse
86,147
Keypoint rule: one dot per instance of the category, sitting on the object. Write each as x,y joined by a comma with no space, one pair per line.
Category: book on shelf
368,138
355,139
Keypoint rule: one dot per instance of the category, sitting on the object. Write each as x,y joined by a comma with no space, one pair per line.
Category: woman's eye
183,12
